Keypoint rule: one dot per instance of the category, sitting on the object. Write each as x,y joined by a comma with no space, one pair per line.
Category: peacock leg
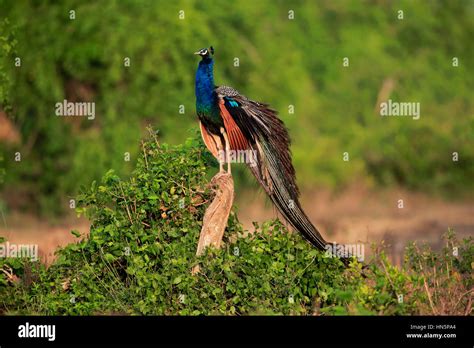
227,149
220,157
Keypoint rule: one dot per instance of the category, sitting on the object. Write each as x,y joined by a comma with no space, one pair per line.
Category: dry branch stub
217,214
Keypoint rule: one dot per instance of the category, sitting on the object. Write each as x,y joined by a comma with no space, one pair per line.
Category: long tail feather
284,197
276,172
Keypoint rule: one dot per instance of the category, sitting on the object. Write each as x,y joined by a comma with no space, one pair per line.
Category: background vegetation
141,249
283,62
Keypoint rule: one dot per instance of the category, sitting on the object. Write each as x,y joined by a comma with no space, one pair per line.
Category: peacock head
205,52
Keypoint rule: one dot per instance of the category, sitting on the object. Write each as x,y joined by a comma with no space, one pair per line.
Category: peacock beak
198,53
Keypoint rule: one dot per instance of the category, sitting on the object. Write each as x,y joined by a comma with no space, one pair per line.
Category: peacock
230,121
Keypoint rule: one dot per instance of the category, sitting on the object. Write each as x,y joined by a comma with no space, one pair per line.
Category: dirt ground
360,215
356,215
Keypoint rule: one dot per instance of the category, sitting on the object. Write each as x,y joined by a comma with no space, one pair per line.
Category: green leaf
109,257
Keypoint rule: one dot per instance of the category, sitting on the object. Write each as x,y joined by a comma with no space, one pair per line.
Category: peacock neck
205,96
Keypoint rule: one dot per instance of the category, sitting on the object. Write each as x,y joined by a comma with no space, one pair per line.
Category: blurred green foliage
141,250
282,61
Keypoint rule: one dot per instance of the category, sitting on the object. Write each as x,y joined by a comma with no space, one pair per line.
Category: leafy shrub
139,254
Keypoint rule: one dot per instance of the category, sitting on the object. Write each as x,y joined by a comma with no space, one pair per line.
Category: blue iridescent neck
205,86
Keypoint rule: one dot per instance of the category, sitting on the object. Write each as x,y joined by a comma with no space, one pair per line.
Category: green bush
139,254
